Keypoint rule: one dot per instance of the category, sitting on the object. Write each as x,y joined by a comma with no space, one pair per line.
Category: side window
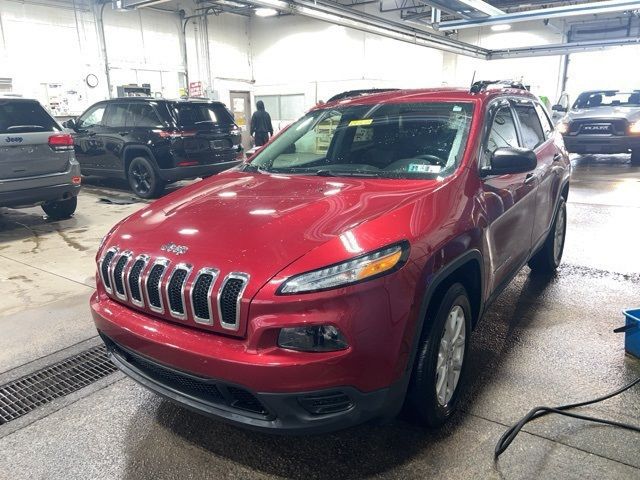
530,127
92,117
117,114
143,115
547,126
502,134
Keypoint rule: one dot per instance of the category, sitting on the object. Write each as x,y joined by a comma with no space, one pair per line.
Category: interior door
510,200
241,108
88,145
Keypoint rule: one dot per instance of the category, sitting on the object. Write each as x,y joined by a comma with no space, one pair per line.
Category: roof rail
358,93
481,85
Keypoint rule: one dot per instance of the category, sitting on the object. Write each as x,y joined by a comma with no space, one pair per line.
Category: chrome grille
118,275
154,283
201,295
175,291
104,268
229,298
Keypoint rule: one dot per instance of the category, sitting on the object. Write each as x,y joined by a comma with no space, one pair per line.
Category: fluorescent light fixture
265,12
502,27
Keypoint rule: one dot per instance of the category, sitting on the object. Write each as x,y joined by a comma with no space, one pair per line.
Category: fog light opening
314,338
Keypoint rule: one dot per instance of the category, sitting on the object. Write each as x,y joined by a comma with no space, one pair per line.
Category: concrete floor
543,342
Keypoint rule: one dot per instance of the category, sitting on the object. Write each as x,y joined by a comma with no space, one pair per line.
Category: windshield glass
404,140
202,116
608,98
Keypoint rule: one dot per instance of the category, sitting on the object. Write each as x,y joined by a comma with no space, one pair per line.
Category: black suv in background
151,142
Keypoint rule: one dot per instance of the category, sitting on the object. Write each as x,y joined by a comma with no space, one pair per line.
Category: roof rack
481,85
358,93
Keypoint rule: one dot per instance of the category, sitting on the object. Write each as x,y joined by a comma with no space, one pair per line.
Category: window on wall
283,107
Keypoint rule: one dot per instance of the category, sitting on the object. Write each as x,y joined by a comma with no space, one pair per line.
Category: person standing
261,127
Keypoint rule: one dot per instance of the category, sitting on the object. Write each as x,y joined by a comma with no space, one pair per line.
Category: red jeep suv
338,274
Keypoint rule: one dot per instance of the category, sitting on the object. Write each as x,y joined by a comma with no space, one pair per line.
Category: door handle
531,177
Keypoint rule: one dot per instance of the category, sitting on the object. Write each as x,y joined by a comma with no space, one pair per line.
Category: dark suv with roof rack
151,142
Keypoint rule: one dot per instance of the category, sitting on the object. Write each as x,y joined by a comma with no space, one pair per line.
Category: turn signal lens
346,273
634,127
562,127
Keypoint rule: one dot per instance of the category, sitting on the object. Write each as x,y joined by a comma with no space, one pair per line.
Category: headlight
366,267
634,127
562,127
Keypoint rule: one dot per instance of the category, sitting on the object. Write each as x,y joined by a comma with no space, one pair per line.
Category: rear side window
143,115
547,126
202,116
530,127
24,116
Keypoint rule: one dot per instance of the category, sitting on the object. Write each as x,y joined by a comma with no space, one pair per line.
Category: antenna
473,77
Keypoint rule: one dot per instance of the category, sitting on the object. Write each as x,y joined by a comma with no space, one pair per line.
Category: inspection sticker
421,168
360,123
457,108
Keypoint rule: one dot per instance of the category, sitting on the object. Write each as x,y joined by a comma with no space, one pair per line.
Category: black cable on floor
510,435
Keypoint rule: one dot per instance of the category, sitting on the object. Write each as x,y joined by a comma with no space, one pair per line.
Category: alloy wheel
141,178
559,234
450,355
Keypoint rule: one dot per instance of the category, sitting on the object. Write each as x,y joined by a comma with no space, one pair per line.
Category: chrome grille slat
105,263
178,280
134,280
230,299
154,284
117,275
203,287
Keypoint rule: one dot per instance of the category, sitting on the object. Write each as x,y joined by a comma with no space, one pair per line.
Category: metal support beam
483,7
608,6
365,22
561,48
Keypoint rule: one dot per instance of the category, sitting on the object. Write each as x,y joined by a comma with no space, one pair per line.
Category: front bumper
185,173
601,143
205,371
283,413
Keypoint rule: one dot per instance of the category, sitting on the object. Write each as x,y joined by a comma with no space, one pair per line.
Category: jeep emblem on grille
173,248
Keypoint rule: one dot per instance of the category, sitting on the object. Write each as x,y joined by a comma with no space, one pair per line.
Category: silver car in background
37,161
603,121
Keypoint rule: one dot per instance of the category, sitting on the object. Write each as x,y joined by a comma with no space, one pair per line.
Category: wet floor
545,341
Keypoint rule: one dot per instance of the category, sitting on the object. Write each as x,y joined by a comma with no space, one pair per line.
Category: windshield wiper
346,173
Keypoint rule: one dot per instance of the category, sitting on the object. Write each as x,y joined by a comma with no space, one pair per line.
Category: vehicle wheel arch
132,151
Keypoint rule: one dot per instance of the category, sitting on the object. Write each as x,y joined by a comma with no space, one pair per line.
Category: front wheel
60,209
635,157
144,179
547,260
438,373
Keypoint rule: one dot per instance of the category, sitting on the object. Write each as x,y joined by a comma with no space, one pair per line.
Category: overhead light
501,27
265,12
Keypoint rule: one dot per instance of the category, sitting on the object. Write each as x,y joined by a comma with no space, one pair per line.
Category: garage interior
544,341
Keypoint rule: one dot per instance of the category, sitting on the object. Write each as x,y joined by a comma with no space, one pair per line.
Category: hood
630,113
260,223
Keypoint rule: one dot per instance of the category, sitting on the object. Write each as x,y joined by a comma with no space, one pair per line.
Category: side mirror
559,108
511,160
71,123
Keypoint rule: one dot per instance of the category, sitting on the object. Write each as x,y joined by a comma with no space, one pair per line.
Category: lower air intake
331,402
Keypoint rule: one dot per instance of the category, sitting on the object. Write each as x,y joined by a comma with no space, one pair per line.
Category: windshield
404,140
202,116
25,116
608,98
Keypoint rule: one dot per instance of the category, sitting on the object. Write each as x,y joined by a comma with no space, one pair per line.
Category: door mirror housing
505,161
71,123
559,108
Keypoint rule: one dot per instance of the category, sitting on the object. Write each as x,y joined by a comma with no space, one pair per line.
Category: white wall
542,73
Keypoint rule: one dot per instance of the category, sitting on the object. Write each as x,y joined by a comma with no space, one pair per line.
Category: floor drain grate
25,394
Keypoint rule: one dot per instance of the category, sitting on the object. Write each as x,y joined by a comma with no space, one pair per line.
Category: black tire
423,400
60,209
635,157
548,258
144,179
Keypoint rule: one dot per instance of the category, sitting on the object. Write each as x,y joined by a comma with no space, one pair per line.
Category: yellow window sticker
360,123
